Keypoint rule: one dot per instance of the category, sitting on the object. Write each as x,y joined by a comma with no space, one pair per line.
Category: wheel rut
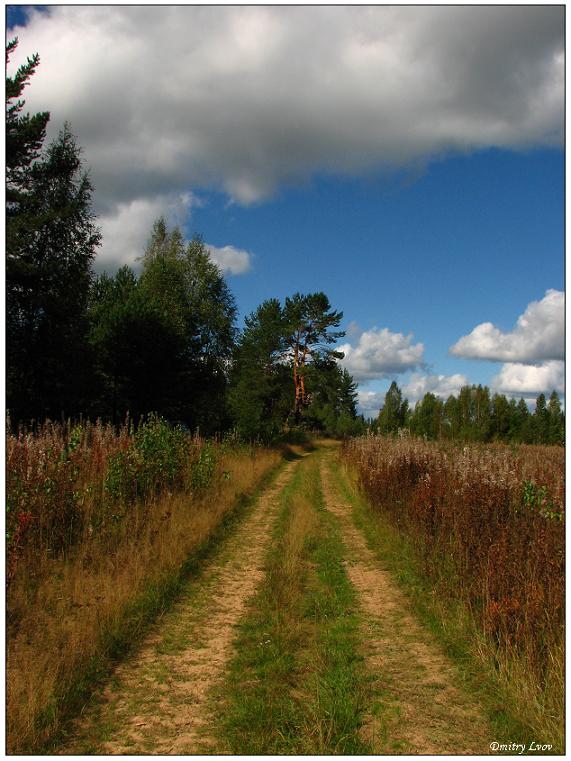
157,701
418,707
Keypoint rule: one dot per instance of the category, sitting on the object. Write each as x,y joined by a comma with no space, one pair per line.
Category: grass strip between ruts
296,684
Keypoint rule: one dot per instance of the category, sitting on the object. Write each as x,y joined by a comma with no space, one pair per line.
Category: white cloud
538,335
230,259
516,379
439,385
126,228
369,403
164,99
381,354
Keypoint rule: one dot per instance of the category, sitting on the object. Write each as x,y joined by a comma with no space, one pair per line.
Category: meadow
486,526
103,526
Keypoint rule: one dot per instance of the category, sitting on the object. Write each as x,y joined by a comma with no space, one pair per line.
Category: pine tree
309,319
556,420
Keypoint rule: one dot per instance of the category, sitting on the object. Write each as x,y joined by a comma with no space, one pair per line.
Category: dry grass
67,610
487,524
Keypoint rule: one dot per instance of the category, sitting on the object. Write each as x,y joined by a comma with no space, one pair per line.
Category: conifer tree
309,319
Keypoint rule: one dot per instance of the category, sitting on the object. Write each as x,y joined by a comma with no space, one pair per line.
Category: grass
495,685
89,609
296,684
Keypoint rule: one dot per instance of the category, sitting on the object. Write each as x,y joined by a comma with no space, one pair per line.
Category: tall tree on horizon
309,319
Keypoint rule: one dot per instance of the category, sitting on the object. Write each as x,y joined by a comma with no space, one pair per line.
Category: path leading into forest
159,701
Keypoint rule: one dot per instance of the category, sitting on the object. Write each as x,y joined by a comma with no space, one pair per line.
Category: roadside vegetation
485,526
102,529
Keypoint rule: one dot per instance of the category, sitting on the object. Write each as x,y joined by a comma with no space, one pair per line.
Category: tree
189,290
556,420
523,423
541,420
393,414
309,319
47,285
426,419
501,418
332,399
260,394
25,135
138,348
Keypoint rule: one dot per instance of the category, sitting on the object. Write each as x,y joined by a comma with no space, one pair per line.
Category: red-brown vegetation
487,523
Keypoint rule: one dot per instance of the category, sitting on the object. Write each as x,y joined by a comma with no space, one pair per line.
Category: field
172,595
487,524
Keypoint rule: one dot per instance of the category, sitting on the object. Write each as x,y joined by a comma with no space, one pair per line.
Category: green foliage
536,498
279,342
475,416
203,469
51,241
156,460
163,341
393,415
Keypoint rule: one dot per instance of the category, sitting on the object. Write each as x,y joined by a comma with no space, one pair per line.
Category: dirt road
160,700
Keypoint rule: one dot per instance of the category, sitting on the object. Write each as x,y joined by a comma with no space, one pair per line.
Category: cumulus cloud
245,98
439,385
381,354
230,259
538,335
126,227
515,379
369,403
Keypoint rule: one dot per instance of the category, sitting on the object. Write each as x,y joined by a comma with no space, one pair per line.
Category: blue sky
413,173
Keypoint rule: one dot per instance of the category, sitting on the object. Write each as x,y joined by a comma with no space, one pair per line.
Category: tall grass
101,525
487,524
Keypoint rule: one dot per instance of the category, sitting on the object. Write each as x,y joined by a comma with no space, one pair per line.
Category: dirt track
423,712
158,701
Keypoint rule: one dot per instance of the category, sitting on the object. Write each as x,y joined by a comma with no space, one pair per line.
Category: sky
407,161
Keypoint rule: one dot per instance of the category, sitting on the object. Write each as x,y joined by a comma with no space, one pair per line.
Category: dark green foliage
51,242
426,420
163,341
308,320
25,135
47,288
281,343
139,350
474,416
332,404
394,413
261,394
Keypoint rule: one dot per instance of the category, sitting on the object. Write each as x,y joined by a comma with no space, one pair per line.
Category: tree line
474,415
162,341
